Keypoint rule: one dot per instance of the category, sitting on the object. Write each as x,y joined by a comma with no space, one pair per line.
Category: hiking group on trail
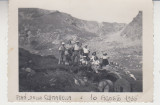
76,54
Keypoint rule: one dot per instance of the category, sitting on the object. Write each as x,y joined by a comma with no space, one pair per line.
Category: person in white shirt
86,51
95,62
76,52
93,57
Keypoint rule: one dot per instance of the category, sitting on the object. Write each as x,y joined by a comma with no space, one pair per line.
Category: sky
121,11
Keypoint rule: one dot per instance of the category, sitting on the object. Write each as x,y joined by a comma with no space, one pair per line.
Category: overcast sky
121,11
112,11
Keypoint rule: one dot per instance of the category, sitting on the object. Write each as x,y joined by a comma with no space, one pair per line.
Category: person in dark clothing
80,49
70,51
76,54
105,58
62,53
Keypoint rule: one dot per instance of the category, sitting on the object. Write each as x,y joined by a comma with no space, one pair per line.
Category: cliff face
134,29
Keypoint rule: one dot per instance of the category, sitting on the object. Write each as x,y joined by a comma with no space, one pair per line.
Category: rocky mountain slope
42,31
48,28
124,46
134,29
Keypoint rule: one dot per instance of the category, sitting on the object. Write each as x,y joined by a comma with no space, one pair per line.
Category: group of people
77,54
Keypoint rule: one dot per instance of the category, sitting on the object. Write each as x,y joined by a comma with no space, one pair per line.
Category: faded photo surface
85,69
63,52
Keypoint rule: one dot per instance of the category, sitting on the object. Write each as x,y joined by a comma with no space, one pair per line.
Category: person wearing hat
76,52
62,53
69,48
105,58
93,57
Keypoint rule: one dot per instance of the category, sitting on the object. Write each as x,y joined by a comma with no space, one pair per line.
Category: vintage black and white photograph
61,52
80,51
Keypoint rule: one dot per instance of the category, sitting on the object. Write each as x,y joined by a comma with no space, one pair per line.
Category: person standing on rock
86,52
69,48
76,52
80,49
62,53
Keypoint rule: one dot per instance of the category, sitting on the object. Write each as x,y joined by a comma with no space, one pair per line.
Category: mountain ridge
134,29
49,28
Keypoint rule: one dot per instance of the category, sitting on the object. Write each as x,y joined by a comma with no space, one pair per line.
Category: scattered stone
122,85
127,72
133,77
28,70
76,81
30,61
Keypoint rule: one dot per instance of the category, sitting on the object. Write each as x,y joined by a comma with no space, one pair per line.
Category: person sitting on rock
84,61
105,61
95,63
93,57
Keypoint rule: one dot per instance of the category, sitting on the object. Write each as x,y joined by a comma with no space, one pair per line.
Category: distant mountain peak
134,29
